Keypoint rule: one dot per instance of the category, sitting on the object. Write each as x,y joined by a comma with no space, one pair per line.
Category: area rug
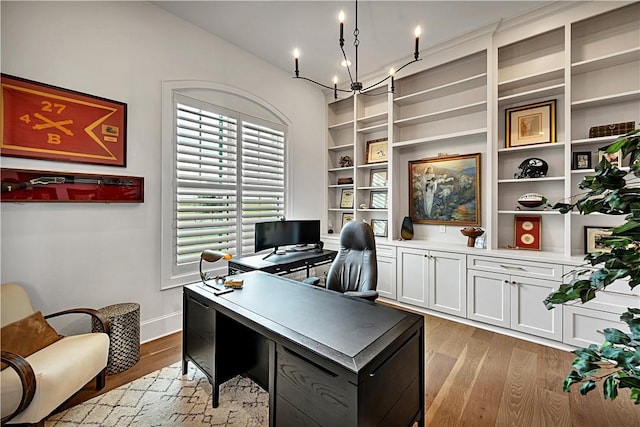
167,398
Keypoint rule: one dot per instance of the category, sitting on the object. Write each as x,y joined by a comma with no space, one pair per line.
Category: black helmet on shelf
532,168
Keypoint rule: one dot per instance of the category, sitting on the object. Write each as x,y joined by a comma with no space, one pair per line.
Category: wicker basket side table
124,349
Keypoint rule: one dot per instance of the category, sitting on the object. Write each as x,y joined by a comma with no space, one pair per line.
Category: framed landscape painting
445,190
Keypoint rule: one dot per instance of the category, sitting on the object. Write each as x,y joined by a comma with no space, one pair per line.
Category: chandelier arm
346,63
320,84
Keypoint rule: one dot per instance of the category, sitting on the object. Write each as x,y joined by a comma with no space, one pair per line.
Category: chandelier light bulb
418,31
335,80
341,17
296,53
344,63
392,72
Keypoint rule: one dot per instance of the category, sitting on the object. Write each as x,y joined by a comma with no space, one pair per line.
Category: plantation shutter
229,175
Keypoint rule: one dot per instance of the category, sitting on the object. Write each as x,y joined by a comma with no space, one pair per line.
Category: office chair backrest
355,268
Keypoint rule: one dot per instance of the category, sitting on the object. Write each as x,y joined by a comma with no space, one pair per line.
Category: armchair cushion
26,336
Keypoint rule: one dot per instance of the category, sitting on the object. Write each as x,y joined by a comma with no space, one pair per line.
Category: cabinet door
528,313
584,326
387,277
488,297
413,273
448,283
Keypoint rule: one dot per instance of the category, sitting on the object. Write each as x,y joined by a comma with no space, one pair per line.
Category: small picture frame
531,124
346,217
581,160
527,232
378,178
479,243
592,236
346,199
377,151
379,227
613,158
378,200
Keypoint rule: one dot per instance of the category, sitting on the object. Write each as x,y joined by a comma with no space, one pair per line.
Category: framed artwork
379,227
581,160
445,190
45,122
613,158
22,185
378,178
378,200
592,236
346,217
377,151
527,232
346,199
531,124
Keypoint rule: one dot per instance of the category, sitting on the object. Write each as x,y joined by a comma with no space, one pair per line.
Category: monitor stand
276,251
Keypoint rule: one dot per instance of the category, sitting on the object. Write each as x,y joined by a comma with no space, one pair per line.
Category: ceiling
272,29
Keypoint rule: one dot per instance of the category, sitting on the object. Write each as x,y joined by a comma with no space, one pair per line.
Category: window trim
171,275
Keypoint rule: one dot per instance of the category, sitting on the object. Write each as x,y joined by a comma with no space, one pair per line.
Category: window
229,171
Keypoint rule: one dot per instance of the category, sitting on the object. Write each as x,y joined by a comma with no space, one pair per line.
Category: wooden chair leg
101,379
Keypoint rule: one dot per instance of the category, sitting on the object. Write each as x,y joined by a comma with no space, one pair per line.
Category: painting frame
378,202
613,158
377,151
45,122
530,124
581,160
346,217
346,198
378,178
380,227
527,232
591,236
446,190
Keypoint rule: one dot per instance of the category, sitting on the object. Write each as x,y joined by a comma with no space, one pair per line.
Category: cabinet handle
513,282
506,282
512,267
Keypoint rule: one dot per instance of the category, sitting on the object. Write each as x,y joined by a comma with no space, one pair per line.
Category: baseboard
159,327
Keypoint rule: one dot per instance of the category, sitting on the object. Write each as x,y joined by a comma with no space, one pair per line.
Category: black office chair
354,271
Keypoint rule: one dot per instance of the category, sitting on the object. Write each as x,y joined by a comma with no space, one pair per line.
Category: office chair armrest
369,295
104,321
315,281
27,378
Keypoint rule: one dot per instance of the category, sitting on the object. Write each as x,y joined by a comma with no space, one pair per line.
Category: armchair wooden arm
106,327
27,378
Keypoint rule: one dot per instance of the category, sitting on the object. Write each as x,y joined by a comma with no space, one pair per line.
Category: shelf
374,128
341,147
373,118
531,147
380,165
341,126
529,180
341,186
524,212
347,169
442,137
441,115
599,140
385,188
606,61
340,210
425,95
531,79
543,92
617,98
372,210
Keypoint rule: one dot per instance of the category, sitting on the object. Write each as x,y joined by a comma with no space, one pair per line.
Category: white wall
75,254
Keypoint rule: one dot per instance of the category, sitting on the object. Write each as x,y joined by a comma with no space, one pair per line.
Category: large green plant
613,191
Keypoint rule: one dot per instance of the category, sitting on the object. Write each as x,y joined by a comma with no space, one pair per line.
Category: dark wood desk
282,264
326,359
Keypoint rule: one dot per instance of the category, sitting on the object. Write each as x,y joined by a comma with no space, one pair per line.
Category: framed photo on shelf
527,232
377,151
445,190
378,200
378,178
346,199
346,217
379,227
531,124
613,158
581,160
592,236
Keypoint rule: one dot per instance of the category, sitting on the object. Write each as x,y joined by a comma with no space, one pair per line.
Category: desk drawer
319,394
199,334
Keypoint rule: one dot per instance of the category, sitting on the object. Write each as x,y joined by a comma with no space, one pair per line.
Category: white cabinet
509,294
433,279
386,256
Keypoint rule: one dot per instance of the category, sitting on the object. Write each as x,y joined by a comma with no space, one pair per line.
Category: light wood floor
473,378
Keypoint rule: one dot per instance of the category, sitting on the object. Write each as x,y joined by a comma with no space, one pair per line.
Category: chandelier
356,85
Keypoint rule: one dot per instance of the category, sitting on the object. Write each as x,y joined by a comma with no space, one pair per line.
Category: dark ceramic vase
406,232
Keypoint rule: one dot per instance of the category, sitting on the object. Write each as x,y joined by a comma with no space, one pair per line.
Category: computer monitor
275,234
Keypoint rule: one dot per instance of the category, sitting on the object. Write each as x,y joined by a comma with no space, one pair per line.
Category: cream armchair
33,387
